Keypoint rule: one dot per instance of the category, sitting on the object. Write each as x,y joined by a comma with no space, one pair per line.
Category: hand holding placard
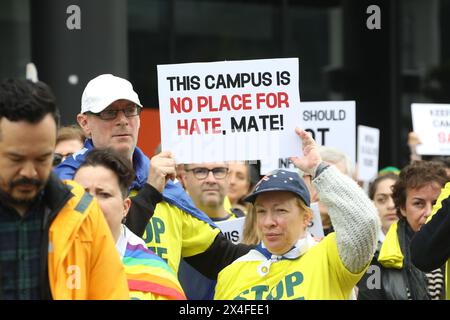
162,168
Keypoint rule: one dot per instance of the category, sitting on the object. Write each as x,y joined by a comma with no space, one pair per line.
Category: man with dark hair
54,240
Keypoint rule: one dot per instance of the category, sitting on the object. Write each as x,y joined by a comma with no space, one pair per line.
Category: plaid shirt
20,252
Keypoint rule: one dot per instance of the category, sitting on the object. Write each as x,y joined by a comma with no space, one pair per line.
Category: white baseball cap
103,90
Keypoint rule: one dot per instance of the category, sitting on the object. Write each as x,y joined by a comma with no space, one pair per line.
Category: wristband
321,167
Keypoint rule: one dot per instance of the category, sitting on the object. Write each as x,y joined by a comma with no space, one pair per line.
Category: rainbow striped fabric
149,276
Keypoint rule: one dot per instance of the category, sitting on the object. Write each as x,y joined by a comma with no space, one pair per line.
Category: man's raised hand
162,168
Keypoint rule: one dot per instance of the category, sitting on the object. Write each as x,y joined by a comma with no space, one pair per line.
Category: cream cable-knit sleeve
354,217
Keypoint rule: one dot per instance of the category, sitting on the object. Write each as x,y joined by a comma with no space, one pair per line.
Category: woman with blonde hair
288,263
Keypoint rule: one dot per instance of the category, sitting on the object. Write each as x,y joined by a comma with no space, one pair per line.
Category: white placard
368,148
431,122
231,110
331,123
232,229
316,228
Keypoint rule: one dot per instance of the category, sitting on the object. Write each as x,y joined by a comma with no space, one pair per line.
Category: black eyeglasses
130,111
202,173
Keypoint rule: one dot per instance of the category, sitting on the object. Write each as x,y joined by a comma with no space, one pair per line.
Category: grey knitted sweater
353,215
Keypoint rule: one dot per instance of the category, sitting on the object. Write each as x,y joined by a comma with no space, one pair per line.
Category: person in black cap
288,263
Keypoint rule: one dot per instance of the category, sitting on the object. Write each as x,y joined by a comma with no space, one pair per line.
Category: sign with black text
231,110
331,124
232,229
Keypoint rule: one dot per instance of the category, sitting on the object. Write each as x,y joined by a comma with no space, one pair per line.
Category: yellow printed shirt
316,275
172,233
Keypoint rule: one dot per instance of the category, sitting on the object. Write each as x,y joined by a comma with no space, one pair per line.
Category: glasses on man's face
202,173
130,111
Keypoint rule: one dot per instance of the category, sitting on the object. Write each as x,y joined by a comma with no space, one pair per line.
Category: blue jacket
173,193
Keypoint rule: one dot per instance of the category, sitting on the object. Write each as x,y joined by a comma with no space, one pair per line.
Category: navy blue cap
281,180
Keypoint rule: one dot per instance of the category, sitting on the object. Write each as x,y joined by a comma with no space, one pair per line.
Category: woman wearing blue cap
288,263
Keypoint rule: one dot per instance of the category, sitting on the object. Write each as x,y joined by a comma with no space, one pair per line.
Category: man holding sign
110,117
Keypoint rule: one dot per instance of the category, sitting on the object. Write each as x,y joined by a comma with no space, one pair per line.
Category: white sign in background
231,110
431,122
316,228
368,148
331,123
232,229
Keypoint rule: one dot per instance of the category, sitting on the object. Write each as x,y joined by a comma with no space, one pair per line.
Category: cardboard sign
431,122
232,229
368,147
231,110
331,124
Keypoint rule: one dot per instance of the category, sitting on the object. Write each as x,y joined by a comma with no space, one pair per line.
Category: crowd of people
85,214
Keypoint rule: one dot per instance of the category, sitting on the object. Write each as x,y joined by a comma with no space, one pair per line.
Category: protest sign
431,122
331,124
231,110
368,146
232,229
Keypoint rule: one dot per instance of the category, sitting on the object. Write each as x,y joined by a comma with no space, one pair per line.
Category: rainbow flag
148,273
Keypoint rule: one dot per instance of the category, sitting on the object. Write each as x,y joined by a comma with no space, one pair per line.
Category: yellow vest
317,275
172,233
